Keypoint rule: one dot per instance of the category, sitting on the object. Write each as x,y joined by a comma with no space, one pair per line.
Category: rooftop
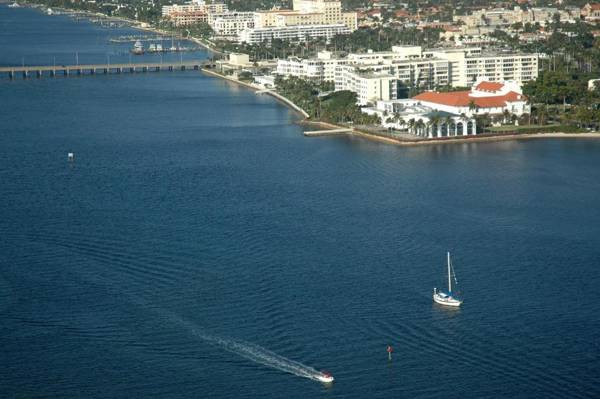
464,99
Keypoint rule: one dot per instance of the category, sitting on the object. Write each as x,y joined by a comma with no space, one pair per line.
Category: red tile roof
489,86
463,99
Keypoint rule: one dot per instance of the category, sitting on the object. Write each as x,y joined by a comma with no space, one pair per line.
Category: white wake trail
262,356
252,352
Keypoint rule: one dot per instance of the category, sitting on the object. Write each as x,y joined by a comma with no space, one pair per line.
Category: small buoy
71,156
389,351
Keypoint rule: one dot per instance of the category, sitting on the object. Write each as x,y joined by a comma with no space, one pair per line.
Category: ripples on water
196,206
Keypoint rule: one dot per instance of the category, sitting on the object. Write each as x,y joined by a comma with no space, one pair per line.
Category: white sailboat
443,298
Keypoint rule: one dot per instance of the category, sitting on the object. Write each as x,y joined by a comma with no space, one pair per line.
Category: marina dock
67,70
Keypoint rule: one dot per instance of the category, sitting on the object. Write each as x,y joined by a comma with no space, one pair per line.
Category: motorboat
325,376
138,48
447,298
14,5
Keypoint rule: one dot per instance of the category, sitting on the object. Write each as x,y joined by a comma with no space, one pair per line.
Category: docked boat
14,5
152,48
138,48
159,48
49,11
325,376
447,298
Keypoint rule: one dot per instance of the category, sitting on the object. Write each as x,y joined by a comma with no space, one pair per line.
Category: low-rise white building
412,116
493,98
294,33
318,69
368,86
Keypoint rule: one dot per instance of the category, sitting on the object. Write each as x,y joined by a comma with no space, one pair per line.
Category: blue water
198,241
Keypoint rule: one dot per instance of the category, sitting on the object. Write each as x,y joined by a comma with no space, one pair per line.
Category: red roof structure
464,98
489,86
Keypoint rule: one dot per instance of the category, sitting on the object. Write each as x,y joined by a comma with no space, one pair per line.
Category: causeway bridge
93,69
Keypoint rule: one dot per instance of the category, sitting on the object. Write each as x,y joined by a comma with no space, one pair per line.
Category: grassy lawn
513,128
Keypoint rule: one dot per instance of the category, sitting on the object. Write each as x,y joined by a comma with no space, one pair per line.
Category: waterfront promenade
92,69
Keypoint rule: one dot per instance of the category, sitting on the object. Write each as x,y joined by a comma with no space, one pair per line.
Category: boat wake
252,352
263,356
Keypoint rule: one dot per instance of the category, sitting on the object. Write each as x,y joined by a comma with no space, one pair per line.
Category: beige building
503,17
200,6
239,59
230,24
307,12
591,12
188,18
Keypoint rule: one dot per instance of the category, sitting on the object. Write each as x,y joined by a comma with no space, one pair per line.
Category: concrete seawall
278,96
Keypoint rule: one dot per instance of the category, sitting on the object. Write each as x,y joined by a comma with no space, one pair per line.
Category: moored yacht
447,298
138,48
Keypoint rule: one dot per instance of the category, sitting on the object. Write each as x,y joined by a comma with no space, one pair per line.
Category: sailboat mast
449,279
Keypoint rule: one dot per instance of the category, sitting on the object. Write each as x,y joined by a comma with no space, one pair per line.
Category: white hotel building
411,66
294,33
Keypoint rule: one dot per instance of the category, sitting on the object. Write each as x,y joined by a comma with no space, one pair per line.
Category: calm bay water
197,222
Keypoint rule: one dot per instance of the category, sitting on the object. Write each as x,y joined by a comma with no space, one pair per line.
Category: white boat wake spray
256,353
263,356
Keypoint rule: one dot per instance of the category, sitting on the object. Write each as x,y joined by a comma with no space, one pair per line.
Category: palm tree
411,125
448,121
419,125
435,121
473,107
542,114
485,119
463,120
505,116
428,125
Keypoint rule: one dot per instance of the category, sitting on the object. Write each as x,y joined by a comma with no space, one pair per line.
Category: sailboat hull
446,300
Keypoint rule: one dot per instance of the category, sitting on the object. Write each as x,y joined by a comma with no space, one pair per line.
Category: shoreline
399,142
250,86
327,125
475,139
133,24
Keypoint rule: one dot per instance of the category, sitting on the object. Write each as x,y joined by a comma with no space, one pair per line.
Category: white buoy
71,156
